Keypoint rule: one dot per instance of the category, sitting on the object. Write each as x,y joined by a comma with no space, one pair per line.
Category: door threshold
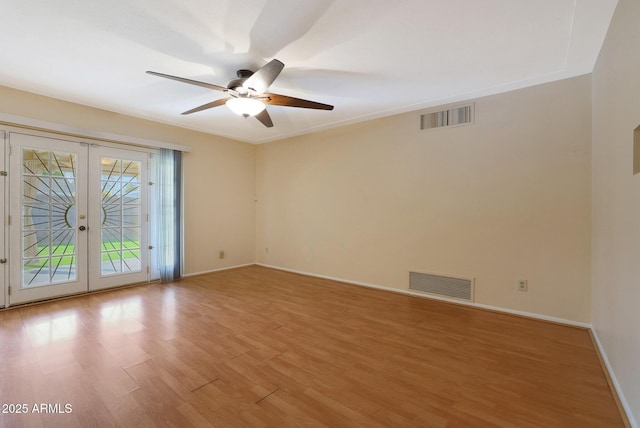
74,295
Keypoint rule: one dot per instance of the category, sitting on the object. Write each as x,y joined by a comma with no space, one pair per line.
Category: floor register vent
443,286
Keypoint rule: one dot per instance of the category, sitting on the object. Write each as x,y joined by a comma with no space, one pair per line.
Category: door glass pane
120,216
111,262
48,217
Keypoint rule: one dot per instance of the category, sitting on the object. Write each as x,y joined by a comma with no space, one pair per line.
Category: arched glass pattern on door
120,220
48,217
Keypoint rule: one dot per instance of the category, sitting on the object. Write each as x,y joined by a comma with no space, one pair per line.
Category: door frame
63,134
4,203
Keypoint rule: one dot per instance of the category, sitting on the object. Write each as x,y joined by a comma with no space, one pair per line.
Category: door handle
82,228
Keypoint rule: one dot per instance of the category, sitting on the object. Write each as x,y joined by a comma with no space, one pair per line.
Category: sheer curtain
169,185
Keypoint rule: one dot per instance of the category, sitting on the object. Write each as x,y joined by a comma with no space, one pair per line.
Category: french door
118,247
78,217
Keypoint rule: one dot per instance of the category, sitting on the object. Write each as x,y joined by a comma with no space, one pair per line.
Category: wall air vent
451,117
443,286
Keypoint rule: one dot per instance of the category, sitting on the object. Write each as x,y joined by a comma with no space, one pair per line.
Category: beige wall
505,199
616,200
219,176
219,206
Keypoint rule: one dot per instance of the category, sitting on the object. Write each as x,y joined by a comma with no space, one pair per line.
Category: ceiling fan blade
264,118
189,81
283,100
206,106
264,77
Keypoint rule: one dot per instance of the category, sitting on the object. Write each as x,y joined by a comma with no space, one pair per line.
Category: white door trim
4,271
35,125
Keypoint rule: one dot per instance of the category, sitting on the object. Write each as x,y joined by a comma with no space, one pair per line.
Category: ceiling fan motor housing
243,75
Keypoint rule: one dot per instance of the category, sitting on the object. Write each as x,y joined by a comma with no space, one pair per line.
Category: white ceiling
368,58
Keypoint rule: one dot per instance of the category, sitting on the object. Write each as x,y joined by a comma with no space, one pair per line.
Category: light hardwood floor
257,347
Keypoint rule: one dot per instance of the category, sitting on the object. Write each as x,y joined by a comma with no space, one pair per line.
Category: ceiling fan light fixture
245,106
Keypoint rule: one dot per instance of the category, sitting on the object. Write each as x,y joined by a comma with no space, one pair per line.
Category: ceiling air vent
450,117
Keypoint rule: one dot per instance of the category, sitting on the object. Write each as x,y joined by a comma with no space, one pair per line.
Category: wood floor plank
258,347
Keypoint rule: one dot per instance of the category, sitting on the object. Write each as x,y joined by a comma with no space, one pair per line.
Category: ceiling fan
247,93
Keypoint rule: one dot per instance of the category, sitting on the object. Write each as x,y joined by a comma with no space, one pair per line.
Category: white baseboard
616,385
186,275
427,296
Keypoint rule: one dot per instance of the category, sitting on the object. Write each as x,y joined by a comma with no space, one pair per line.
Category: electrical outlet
266,250
221,255
522,285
